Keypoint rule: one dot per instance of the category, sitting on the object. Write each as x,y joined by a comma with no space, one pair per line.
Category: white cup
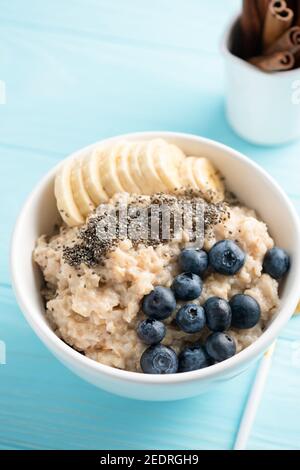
263,108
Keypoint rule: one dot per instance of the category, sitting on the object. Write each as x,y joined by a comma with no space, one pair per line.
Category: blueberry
159,359
159,304
151,331
187,286
191,318
193,358
193,260
218,314
276,262
245,311
226,257
220,346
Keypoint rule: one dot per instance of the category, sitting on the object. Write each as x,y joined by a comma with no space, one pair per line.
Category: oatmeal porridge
155,305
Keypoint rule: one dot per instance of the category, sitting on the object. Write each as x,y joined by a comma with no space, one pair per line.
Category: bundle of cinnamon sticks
270,34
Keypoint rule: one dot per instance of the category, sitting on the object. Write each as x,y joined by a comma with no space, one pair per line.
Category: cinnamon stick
276,62
278,19
292,4
262,6
287,42
297,13
251,23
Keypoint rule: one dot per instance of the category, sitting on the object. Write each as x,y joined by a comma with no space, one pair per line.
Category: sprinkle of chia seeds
92,249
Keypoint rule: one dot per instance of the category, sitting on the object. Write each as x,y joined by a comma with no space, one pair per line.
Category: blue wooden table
76,71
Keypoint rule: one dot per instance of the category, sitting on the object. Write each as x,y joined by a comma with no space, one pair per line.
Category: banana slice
207,177
92,178
134,167
108,169
153,182
167,161
123,170
187,174
64,196
177,154
80,194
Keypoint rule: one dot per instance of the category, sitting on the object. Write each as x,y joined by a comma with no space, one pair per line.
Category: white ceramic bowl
252,185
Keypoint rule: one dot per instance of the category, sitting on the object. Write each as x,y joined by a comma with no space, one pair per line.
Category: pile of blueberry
217,314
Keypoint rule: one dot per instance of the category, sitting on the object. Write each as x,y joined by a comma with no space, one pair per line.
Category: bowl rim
78,360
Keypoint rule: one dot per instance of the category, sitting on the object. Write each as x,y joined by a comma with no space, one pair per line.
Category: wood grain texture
77,71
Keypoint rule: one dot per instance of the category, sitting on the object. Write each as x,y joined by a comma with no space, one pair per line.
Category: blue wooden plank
77,71
277,422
